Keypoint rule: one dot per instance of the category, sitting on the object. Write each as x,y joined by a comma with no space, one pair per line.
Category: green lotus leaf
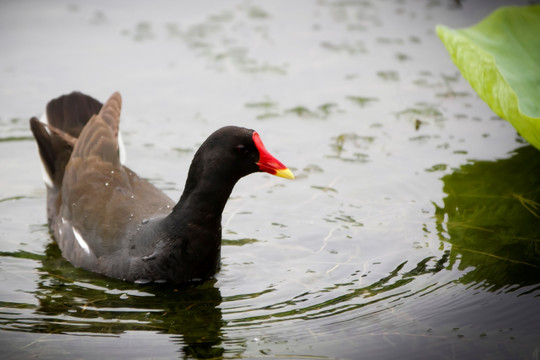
500,57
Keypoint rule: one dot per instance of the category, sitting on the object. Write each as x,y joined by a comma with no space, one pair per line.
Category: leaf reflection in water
490,218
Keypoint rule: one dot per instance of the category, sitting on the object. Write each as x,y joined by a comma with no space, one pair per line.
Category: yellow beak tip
285,173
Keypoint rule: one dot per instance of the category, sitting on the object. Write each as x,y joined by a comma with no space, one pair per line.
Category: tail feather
66,118
46,148
71,112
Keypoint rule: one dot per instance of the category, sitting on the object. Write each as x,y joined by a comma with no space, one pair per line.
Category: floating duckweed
437,167
324,188
239,242
262,104
389,75
361,100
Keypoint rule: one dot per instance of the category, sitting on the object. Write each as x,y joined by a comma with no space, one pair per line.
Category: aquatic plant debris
500,57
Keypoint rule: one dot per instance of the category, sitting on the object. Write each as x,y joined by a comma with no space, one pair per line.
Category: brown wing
102,200
99,136
110,112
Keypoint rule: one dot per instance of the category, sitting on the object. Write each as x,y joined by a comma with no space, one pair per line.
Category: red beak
268,163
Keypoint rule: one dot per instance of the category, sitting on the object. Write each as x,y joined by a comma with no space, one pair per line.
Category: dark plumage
108,220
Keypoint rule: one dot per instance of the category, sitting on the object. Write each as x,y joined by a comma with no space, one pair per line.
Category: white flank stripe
46,178
121,149
81,241
45,120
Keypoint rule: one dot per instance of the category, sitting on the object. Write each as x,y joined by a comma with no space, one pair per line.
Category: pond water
411,231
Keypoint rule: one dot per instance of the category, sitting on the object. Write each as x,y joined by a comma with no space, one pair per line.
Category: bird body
107,219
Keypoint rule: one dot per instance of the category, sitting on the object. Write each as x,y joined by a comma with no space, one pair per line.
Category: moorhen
108,220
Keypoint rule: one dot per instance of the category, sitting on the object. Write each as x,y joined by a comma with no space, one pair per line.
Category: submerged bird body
107,219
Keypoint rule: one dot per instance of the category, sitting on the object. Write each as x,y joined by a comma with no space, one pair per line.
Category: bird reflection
92,304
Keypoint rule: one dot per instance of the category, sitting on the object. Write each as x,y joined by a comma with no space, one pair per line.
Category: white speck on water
142,281
106,184
124,296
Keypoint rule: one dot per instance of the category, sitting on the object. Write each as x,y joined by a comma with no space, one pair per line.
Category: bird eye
241,148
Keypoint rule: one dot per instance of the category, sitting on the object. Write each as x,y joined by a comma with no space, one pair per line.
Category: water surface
411,229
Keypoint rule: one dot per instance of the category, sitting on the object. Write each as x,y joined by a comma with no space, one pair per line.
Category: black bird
108,220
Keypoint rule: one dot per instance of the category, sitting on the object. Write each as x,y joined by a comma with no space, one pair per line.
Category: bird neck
193,228
201,205
204,204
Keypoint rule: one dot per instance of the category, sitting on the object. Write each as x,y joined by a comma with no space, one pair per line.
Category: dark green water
411,230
